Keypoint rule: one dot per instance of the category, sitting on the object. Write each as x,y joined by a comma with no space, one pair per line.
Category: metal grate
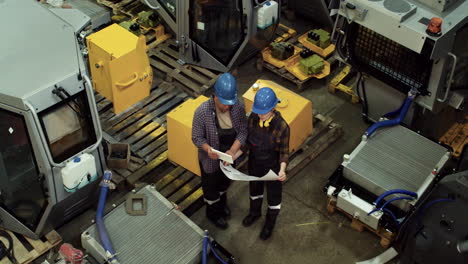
389,61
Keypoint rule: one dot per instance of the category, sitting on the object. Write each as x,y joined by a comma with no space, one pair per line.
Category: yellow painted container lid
115,40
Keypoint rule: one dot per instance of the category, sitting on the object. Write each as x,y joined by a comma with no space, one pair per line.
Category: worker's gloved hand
212,154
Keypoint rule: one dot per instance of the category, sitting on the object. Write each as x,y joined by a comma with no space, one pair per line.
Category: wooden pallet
456,137
192,79
284,73
325,133
27,250
130,8
386,237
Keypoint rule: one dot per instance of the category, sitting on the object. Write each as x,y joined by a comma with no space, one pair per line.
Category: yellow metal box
295,109
119,66
179,135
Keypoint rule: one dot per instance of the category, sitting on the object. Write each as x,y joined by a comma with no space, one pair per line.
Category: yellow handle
125,85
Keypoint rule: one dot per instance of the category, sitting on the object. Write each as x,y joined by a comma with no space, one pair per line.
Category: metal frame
397,28
181,28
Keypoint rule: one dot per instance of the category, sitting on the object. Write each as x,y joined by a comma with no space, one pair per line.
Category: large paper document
236,175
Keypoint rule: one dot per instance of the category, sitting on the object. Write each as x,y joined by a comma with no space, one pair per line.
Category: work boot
215,215
269,225
223,201
254,213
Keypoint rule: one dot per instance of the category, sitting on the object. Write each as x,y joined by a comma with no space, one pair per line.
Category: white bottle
267,14
79,172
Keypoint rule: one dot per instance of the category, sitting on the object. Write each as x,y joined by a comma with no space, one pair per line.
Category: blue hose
393,113
388,202
205,248
401,191
391,122
206,243
103,236
393,216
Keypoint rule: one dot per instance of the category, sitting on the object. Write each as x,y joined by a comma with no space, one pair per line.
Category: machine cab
49,128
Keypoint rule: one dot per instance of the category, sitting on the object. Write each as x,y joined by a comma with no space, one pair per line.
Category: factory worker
268,146
219,123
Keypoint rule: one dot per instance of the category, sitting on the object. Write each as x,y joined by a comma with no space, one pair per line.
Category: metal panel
394,158
358,208
26,67
164,235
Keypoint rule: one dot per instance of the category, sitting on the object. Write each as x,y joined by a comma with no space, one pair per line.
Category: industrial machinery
393,161
405,44
219,34
437,232
119,66
167,234
295,109
181,149
51,154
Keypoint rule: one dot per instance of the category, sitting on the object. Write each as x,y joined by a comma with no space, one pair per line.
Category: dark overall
262,158
215,185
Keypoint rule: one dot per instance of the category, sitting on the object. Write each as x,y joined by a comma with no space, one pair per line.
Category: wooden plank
156,153
160,111
192,198
197,77
141,113
153,146
21,253
151,116
132,179
206,72
169,51
133,166
176,184
142,133
174,73
137,160
168,178
154,135
103,105
120,117
314,149
106,115
190,187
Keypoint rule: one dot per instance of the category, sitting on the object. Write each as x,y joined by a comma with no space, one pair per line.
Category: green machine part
319,37
281,50
131,26
148,19
311,65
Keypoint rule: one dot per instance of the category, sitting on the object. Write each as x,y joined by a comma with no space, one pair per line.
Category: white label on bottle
201,25
11,130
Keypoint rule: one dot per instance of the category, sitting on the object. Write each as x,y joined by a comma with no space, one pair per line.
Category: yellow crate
295,109
179,135
119,66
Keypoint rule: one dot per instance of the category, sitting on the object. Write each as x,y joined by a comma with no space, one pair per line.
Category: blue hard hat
226,89
265,100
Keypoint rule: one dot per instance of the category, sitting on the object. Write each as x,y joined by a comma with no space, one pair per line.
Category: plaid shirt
280,134
204,130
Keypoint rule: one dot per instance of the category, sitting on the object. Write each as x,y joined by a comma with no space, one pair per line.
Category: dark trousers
213,184
274,188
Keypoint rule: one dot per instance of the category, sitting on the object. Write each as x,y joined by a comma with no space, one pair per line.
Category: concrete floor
305,233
